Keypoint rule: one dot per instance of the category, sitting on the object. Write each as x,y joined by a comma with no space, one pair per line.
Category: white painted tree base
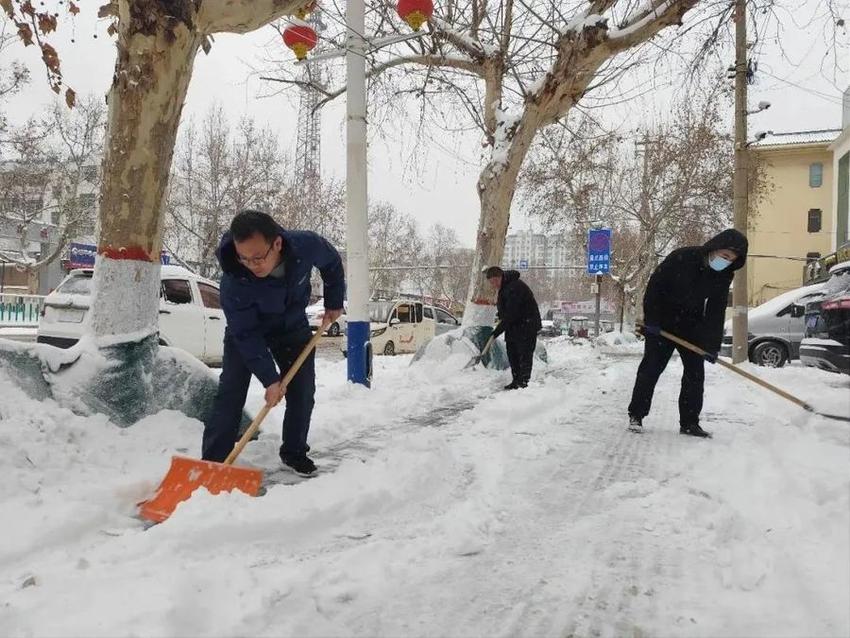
125,300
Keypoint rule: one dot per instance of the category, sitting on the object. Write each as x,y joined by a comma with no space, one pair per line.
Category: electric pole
357,236
740,295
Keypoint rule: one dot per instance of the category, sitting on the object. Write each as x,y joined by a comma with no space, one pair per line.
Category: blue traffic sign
599,251
523,264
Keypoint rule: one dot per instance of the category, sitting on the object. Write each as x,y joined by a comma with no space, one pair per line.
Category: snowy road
448,508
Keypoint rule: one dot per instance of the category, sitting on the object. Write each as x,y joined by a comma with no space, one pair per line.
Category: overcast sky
433,180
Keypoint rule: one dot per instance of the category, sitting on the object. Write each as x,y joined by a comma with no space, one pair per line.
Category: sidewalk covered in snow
447,507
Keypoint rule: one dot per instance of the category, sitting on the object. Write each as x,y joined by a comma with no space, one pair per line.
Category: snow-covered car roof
842,266
772,306
169,270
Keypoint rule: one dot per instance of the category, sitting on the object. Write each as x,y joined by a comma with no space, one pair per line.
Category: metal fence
20,310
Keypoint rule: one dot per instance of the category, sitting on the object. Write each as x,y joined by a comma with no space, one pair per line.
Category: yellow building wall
781,220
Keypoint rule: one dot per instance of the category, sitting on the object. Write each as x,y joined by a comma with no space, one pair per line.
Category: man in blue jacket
265,288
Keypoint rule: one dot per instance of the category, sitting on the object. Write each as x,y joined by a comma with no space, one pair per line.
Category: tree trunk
496,187
155,57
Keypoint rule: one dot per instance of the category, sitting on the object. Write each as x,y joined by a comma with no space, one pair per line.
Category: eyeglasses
256,261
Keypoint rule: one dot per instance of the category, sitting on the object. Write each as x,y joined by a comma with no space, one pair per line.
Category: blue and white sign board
599,251
523,264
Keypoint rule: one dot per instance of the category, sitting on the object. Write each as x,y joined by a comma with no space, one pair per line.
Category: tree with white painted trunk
515,69
156,42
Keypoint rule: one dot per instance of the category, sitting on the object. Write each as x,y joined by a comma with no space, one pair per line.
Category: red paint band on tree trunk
135,253
483,302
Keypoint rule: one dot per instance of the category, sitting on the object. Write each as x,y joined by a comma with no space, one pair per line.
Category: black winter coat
517,307
686,297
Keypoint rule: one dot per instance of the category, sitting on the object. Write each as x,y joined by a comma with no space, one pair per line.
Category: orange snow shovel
186,475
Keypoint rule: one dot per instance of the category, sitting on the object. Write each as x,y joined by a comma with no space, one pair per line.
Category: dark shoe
513,385
301,466
635,424
694,430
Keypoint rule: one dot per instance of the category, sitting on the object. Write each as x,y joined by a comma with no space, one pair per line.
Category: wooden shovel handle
490,341
734,368
255,424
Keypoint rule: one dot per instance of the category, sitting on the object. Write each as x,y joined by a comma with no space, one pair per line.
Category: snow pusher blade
477,358
186,475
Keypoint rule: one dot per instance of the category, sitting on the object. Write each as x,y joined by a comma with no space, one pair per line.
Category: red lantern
415,12
301,38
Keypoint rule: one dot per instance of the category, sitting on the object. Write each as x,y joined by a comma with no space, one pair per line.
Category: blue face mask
718,263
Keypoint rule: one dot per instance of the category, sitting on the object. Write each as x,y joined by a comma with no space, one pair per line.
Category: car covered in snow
315,313
776,327
190,314
827,341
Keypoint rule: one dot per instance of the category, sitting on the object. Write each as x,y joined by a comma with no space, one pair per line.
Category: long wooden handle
734,368
255,424
487,345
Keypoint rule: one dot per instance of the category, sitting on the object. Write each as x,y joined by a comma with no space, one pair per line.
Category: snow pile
90,380
619,343
446,507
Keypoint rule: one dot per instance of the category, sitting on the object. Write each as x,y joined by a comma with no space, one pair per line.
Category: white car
403,326
316,311
190,314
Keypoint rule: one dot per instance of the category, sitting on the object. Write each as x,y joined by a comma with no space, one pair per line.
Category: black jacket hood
510,275
730,239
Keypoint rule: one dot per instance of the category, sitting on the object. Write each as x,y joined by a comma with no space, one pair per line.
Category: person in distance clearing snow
519,319
265,289
686,296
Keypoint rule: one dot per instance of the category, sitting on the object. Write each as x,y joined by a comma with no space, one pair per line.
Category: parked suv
775,328
190,315
827,342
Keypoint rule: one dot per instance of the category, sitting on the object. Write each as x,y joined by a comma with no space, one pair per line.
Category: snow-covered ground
448,508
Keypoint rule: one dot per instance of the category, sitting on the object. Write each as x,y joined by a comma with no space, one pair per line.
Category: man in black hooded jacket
686,296
519,319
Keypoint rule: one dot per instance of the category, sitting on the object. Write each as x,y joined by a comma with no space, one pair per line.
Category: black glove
710,357
647,329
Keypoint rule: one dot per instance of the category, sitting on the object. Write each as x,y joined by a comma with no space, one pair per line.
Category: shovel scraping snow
186,474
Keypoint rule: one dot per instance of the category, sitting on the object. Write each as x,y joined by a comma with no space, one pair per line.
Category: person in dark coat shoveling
519,319
686,296
265,288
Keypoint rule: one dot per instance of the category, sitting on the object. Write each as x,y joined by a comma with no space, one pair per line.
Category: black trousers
220,430
657,352
520,345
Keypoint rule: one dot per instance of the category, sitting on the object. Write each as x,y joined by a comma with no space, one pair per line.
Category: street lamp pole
740,296
357,236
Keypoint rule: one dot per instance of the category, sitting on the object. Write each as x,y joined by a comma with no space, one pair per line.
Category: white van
190,314
403,326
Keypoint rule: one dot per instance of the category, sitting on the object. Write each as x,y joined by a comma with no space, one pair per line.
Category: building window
816,175
814,225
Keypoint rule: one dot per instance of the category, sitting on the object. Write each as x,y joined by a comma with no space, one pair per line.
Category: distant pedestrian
519,319
686,296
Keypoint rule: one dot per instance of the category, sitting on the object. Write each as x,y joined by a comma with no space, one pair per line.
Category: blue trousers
222,426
